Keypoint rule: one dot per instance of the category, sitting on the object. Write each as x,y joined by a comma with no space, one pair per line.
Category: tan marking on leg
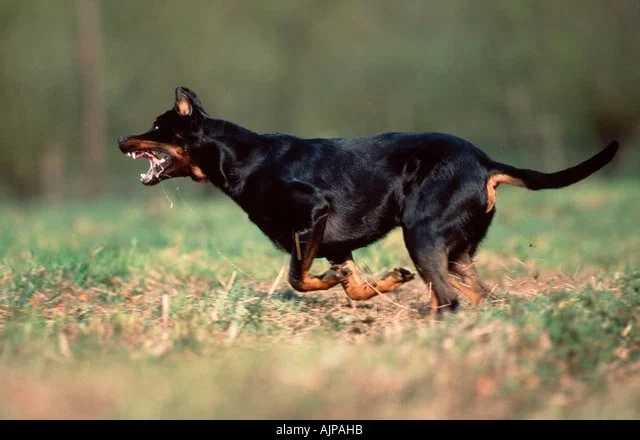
464,278
359,290
325,281
435,307
301,261
467,290
355,274
353,285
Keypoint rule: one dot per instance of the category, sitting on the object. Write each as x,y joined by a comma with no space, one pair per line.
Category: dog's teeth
142,175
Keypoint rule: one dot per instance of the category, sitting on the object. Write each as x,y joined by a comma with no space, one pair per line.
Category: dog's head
171,142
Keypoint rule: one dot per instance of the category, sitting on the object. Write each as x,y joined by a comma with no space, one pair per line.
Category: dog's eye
156,127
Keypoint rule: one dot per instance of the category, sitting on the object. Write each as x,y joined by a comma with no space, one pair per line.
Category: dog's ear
188,103
183,102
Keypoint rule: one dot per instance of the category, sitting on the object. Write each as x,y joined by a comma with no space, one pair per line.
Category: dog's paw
404,274
342,268
336,273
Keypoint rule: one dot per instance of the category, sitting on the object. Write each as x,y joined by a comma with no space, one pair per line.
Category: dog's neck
229,154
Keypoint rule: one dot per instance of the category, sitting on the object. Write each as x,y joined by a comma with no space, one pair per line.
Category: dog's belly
342,234
357,217
329,249
335,241
346,233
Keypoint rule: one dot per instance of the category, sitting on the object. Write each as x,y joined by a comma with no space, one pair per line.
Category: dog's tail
536,180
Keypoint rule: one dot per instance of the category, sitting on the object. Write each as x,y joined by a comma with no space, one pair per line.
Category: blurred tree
93,110
52,172
538,84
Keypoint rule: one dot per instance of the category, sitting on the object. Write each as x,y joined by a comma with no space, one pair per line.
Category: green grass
82,332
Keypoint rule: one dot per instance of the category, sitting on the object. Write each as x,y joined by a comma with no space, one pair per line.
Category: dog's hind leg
464,277
442,221
430,258
357,289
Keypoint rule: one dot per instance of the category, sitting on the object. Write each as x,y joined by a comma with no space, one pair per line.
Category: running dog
323,198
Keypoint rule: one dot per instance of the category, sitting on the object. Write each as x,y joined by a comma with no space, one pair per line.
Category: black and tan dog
326,197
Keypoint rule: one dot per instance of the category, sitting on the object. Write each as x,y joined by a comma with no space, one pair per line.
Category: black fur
433,185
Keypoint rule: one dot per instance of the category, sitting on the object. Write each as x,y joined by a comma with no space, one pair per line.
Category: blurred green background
538,84
89,256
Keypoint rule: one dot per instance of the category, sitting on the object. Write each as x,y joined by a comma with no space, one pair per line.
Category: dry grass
148,312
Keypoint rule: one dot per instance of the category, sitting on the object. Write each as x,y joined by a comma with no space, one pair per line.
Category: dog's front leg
305,248
308,213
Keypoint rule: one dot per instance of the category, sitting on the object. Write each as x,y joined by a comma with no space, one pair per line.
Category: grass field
84,332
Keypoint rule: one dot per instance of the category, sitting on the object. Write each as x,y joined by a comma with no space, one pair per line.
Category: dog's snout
121,142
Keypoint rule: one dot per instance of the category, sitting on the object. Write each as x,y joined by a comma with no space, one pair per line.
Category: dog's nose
121,141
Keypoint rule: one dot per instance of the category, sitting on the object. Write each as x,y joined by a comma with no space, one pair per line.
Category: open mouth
159,162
